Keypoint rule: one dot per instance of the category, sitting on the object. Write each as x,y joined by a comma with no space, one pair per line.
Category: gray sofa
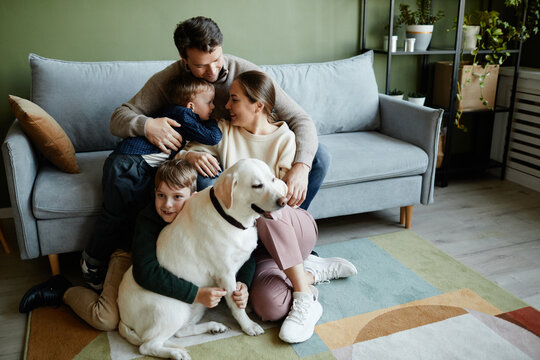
383,150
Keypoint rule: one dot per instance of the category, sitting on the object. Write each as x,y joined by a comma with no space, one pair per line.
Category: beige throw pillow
45,133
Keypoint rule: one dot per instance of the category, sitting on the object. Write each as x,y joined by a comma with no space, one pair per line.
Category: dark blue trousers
127,185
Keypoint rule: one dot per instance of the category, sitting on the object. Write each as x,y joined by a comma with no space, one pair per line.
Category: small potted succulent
396,93
417,98
419,23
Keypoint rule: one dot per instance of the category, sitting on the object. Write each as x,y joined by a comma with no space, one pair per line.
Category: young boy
175,183
129,171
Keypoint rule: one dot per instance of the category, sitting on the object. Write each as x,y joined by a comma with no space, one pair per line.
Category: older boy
128,173
175,183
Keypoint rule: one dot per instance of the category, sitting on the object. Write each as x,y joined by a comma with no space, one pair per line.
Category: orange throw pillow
45,133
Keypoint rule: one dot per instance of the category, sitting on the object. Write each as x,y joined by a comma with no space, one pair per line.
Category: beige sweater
275,149
129,119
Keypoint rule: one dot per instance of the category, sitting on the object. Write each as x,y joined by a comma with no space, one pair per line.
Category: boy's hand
160,132
209,296
240,296
204,163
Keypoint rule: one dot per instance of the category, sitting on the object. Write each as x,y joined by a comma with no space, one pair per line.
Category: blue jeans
318,171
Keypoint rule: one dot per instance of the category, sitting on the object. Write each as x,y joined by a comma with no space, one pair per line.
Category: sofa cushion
340,96
45,133
59,195
370,155
82,96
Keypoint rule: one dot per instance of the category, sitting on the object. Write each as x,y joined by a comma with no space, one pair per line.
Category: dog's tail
128,333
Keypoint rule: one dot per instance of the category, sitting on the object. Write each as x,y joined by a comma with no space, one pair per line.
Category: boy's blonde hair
177,173
183,89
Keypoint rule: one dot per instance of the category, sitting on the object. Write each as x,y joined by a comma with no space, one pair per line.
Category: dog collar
222,212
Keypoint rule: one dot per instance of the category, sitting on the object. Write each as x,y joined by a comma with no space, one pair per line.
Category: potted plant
419,23
396,93
478,81
471,29
495,36
417,98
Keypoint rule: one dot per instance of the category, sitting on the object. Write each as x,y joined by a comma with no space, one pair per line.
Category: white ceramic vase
422,34
469,36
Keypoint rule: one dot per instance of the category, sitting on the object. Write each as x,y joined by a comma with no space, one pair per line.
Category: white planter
400,97
469,36
422,34
417,101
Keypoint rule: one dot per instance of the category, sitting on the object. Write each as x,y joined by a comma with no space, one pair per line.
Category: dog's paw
253,329
180,354
217,328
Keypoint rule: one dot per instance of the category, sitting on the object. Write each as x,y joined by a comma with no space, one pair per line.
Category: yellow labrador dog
207,243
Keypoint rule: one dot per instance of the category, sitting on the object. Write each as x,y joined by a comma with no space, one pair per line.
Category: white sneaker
326,269
299,325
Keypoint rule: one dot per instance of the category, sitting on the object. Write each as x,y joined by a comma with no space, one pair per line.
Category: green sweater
149,274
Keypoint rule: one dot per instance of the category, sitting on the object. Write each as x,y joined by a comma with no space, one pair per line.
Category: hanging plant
495,36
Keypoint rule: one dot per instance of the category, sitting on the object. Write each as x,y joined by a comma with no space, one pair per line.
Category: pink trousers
285,241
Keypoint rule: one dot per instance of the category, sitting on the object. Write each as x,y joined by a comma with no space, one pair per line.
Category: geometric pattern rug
409,300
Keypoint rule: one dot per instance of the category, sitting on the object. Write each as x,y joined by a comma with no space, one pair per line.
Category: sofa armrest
21,163
417,125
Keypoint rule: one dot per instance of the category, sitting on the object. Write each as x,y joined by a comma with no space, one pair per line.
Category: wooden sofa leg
402,215
408,216
4,242
55,264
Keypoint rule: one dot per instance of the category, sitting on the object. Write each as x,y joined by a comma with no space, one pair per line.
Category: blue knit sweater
191,129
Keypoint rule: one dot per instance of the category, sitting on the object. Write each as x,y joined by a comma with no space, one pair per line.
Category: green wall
265,32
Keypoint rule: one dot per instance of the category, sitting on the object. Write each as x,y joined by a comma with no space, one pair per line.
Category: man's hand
204,163
297,182
241,295
209,296
160,132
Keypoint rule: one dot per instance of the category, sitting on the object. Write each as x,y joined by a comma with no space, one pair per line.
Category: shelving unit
450,113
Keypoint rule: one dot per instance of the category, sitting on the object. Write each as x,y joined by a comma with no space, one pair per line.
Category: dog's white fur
202,247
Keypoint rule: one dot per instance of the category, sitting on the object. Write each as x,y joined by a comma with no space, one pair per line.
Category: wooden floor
492,226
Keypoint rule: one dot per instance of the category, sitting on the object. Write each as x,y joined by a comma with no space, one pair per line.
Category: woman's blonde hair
259,87
177,173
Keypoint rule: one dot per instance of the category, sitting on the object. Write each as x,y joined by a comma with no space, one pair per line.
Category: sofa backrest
340,96
81,96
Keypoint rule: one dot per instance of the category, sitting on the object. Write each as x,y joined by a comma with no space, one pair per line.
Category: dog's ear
224,191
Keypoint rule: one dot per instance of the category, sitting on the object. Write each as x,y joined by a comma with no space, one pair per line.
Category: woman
285,269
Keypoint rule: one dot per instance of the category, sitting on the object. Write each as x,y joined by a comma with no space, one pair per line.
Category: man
199,43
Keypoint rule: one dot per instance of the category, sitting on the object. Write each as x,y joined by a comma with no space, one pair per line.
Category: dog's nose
282,201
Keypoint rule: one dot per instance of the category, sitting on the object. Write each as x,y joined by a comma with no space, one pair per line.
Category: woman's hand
209,296
160,132
204,163
297,181
241,295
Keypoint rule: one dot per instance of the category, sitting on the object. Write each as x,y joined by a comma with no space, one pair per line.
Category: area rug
409,301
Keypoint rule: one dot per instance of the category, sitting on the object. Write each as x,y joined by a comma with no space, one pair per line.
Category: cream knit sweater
275,149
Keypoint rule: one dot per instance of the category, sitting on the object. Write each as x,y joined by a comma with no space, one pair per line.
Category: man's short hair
177,173
198,32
